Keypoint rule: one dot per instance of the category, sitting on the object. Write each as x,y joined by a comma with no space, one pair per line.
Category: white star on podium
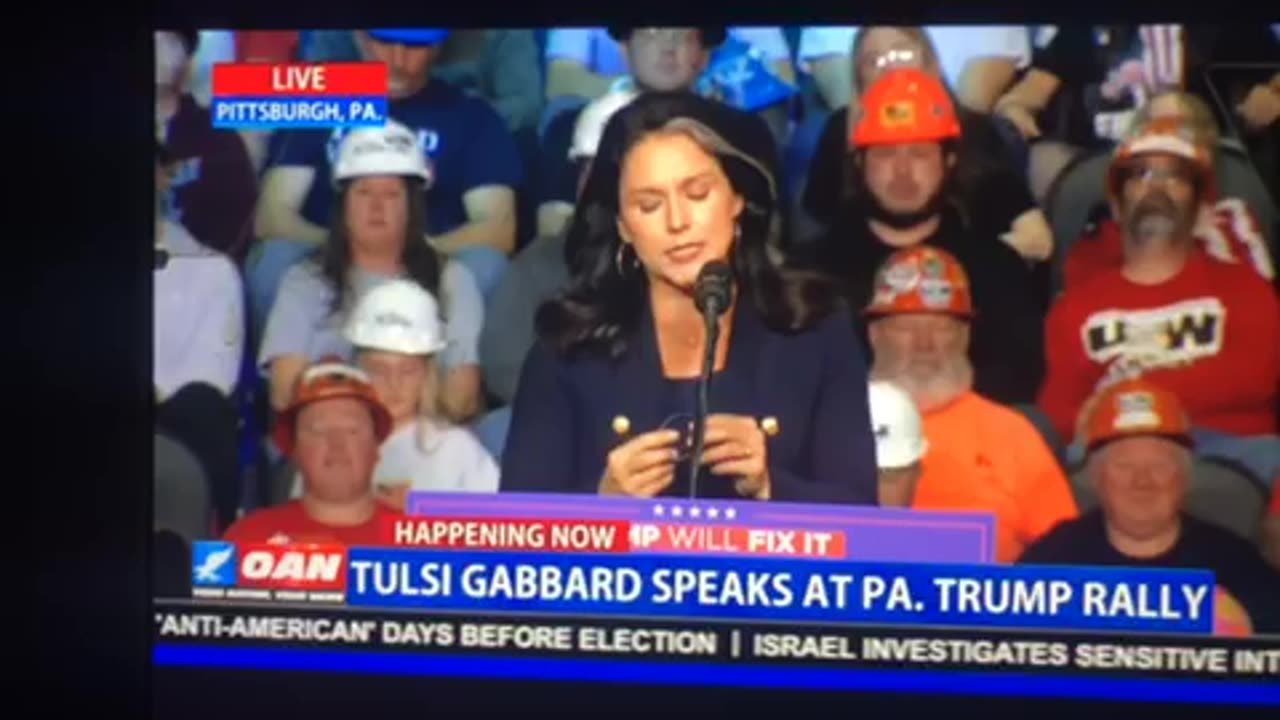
730,513
712,513
657,510
676,511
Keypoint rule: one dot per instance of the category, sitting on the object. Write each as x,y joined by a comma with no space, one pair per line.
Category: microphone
712,290
711,294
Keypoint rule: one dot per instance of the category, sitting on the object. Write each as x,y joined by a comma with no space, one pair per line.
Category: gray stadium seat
1074,196
1079,191
1041,423
1228,496
1086,499
1219,493
182,502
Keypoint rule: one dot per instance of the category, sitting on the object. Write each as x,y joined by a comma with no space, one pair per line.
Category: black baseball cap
712,37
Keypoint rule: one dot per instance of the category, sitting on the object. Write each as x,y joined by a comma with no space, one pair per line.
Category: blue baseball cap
410,36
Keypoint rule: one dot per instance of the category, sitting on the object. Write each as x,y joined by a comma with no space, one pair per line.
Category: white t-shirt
198,331
956,45
449,459
301,321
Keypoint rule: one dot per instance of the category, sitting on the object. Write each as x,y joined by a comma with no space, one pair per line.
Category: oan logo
213,563
293,567
1162,337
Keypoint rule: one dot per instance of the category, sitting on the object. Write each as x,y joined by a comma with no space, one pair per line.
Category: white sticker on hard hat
935,293
1136,410
390,319
902,277
399,143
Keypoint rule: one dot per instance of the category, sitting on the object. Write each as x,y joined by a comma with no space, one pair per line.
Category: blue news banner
272,113
819,591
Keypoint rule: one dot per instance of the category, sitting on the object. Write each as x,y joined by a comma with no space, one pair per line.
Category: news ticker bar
750,588
757,644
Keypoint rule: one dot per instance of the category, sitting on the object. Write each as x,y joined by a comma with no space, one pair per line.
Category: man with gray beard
1206,329
981,455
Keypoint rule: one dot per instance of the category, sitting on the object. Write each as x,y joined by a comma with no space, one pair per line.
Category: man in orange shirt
981,455
332,431
1207,330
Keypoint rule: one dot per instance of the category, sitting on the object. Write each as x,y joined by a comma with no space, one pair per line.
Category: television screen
936,359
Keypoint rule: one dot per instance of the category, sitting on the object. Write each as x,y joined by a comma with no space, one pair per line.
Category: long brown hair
421,263
601,309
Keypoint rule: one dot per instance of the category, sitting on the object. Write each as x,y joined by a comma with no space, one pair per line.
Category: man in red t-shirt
1228,231
332,431
1227,227
1207,330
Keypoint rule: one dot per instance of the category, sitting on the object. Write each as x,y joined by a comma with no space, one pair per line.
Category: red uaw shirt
1211,334
1231,233
289,523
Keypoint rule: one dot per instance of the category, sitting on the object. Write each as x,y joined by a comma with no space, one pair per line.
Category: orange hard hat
1162,136
326,380
1137,407
905,105
921,279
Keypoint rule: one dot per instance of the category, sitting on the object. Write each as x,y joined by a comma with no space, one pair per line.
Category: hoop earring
618,261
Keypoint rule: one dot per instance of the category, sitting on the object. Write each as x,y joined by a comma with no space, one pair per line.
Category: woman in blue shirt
607,393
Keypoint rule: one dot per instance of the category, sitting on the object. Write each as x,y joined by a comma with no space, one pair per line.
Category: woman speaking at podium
608,393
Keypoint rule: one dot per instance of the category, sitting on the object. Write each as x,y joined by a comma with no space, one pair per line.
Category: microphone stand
711,318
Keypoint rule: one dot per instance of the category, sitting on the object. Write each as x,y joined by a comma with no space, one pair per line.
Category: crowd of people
493,292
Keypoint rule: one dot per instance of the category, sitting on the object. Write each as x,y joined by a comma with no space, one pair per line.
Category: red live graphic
354,79
292,567
509,534
715,539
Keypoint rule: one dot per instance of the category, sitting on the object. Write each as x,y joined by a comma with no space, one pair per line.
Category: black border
84,218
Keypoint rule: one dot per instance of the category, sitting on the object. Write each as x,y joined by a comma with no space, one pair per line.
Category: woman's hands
642,466
735,447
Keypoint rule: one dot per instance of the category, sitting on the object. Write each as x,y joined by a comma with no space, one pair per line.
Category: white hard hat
899,431
392,149
591,122
397,316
